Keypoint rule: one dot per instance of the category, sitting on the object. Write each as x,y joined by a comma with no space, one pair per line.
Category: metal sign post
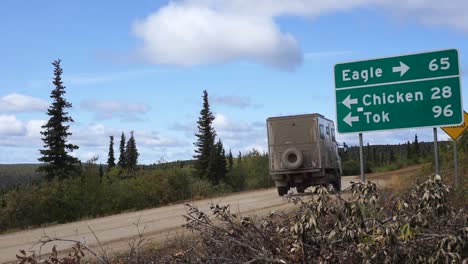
455,132
436,153
455,164
361,159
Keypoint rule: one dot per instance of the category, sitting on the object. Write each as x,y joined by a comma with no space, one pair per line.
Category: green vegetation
55,155
380,158
12,175
447,166
92,195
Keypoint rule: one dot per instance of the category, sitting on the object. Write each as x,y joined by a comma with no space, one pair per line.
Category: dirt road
114,232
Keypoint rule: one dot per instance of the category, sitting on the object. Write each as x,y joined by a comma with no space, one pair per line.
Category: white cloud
10,126
276,8
432,12
34,128
93,140
110,109
184,34
152,139
222,124
429,12
240,135
15,102
18,133
96,137
193,32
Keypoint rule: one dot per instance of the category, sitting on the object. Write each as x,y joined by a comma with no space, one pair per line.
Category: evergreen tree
111,158
230,161
223,165
55,155
205,138
217,164
239,158
392,156
375,157
122,160
131,153
416,150
101,172
409,155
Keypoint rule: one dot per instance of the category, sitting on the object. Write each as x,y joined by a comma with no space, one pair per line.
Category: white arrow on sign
403,68
348,101
350,119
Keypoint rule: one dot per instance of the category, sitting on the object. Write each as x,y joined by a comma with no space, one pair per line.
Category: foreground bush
418,227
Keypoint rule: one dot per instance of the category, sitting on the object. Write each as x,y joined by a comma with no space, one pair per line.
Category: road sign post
361,159
455,165
436,152
454,132
416,90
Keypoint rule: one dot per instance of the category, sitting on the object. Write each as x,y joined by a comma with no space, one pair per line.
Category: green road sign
416,90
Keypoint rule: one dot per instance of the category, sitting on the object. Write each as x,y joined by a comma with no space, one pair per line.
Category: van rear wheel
337,182
300,189
337,186
282,190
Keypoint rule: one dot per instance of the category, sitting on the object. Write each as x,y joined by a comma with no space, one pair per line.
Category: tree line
388,157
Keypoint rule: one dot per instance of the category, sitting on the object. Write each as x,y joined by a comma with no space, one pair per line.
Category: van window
333,135
322,132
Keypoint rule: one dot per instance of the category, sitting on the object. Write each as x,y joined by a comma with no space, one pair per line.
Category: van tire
282,190
301,189
292,165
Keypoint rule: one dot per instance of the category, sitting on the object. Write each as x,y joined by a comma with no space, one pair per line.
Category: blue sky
142,66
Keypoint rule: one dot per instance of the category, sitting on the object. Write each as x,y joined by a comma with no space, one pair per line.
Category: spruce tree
205,138
409,155
111,158
122,160
223,165
212,168
217,164
55,155
416,150
230,161
131,153
239,158
101,172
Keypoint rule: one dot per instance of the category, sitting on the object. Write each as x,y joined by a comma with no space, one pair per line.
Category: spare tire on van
292,158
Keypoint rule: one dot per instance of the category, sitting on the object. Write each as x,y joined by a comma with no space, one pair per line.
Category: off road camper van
303,152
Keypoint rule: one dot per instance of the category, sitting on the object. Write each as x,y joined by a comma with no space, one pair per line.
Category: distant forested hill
13,174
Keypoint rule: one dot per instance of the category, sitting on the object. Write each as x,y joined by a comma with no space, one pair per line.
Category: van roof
298,116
